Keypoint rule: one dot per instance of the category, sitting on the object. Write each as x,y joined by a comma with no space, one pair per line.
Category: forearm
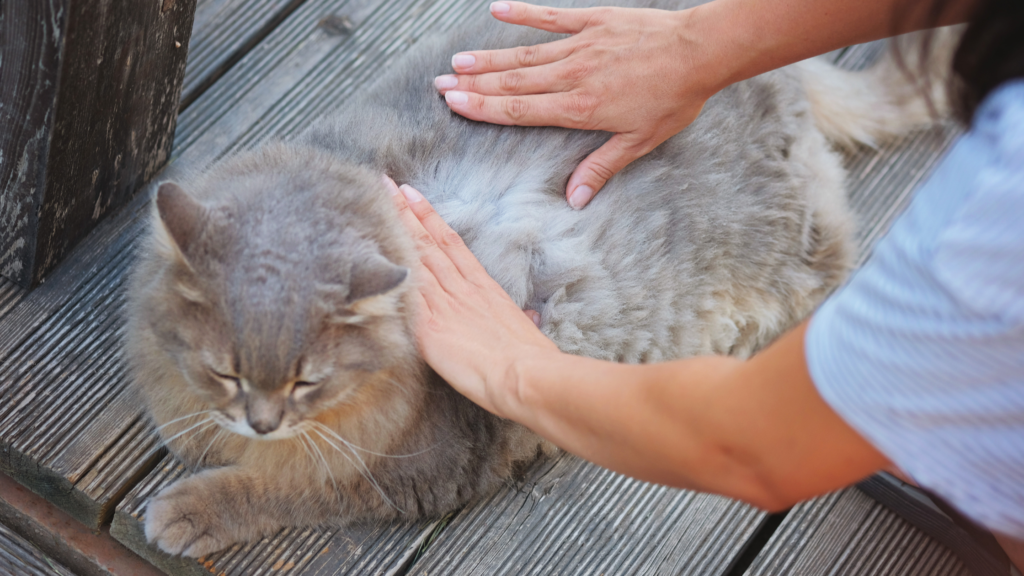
654,422
754,430
740,39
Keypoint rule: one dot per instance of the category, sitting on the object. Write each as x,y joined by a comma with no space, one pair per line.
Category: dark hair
990,53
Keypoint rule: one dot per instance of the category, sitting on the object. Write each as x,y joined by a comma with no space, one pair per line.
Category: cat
268,318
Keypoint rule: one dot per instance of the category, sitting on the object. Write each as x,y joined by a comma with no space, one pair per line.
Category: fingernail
445,82
456,98
410,193
390,185
535,316
500,8
579,197
463,60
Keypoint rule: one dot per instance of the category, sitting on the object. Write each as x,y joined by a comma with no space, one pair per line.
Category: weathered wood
88,101
10,295
976,548
20,557
849,533
223,32
572,517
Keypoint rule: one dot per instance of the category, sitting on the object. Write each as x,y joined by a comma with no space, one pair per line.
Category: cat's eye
227,379
305,384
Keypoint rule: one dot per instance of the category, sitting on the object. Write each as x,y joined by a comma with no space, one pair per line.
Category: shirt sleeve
922,352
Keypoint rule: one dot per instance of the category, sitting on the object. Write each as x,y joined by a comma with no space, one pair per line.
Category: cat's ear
183,217
373,276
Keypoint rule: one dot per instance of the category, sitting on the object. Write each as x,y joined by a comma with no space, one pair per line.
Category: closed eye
302,387
226,379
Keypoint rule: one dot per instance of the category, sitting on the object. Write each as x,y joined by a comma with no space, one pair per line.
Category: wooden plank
976,548
57,535
88,103
849,533
572,517
223,32
882,182
21,557
10,295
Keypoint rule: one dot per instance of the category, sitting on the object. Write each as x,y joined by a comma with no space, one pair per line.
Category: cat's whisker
327,467
202,423
192,415
364,470
210,445
166,443
325,428
300,437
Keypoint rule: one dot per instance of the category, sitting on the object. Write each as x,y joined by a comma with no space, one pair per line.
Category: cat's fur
273,291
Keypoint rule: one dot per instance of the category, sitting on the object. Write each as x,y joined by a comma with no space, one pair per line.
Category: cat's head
277,295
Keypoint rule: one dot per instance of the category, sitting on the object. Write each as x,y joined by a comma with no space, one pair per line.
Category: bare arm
645,74
755,430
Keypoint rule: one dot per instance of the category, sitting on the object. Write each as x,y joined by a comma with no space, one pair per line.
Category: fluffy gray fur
269,314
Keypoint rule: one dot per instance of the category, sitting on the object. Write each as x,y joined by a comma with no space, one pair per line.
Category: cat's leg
219,507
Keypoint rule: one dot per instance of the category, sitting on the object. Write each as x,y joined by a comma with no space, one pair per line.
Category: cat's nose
263,427
264,414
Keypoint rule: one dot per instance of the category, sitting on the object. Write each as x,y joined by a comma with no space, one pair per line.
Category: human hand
467,328
633,72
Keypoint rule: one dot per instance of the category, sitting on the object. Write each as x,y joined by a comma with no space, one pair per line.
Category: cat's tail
886,100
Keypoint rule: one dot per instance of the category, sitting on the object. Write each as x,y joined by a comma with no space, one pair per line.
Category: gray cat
269,315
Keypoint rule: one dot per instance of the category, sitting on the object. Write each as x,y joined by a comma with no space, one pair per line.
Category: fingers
549,78
595,170
567,109
484,61
441,249
558,20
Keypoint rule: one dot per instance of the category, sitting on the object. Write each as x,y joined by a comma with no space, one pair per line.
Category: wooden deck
260,68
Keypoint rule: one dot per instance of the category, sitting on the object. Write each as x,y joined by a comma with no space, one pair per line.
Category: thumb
590,176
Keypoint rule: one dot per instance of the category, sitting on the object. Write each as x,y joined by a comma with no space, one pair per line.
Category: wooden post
89,94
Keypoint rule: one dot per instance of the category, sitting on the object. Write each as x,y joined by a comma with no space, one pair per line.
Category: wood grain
572,517
849,533
223,32
89,94
10,295
20,557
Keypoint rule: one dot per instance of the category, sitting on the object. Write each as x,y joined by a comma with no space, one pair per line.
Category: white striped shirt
923,351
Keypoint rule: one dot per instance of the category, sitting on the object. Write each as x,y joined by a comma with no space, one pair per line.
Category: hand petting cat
645,74
468,329
589,80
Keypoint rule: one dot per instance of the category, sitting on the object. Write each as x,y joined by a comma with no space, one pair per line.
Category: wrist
514,392
714,50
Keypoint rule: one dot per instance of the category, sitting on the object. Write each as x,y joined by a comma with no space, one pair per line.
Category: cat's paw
180,521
